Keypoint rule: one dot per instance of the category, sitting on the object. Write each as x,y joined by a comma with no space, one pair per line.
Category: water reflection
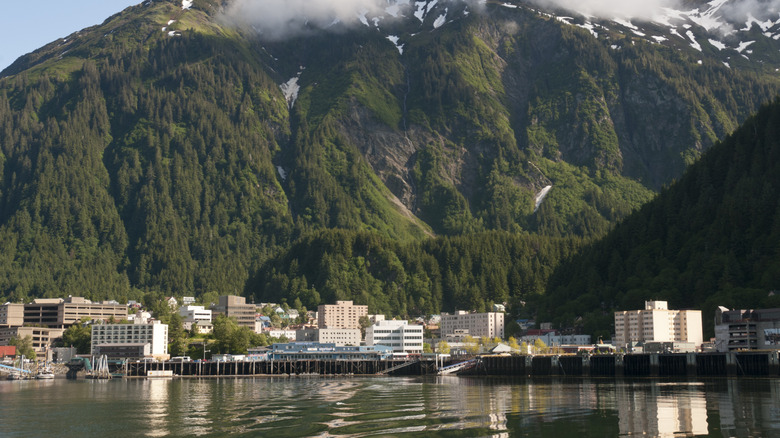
158,406
662,409
357,407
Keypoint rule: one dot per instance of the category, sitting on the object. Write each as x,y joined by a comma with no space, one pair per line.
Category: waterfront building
11,315
754,329
488,325
291,335
42,338
336,336
194,313
7,351
133,337
323,351
398,335
373,319
202,327
552,338
656,323
343,315
236,307
173,303
63,313
140,317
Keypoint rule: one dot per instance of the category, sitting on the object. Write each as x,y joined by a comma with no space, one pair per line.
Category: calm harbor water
390,406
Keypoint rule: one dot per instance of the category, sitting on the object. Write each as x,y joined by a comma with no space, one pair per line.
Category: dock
747,364
284,367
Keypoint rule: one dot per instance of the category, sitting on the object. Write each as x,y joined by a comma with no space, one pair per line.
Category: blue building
319,351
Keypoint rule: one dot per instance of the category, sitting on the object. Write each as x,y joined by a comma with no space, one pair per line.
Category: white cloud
626,9
741,10
281,18
277,19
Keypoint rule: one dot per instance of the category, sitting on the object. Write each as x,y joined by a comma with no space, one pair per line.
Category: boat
45,373
18,373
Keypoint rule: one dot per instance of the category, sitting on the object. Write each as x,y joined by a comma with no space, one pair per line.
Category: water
388,406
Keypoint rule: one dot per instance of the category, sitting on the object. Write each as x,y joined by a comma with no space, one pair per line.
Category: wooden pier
284,367
748,364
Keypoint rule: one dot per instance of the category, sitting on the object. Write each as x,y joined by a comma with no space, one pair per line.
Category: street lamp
204,351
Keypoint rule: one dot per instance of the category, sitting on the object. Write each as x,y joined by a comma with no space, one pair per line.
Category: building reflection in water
157,406
746,407
661,409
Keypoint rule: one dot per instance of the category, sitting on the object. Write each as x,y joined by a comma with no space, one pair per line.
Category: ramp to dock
454,368
399,366
10,369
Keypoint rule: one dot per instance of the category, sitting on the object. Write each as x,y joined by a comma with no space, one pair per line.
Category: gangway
454,368
10,369
398,367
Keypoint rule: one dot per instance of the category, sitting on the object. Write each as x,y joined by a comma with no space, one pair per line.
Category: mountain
711,239
190,147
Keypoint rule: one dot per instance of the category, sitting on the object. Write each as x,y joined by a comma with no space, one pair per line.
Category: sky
26,25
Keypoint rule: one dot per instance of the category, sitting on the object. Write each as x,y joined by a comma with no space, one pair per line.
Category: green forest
135,162
711,239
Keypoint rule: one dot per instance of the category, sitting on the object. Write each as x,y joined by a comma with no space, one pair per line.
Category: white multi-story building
343,314
656,323
488,325
289,334
194,314
118,335
398,335
553,339
338,336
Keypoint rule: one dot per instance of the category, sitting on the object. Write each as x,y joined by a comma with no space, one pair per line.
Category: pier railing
753,364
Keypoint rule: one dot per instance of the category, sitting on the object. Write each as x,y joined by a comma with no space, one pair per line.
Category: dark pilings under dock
749,364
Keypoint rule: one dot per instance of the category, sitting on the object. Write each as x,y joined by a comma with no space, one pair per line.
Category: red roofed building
7,351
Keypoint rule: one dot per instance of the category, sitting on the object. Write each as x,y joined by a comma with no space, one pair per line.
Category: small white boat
45,374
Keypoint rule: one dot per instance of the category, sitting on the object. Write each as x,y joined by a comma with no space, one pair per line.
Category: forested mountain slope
175,149
711,239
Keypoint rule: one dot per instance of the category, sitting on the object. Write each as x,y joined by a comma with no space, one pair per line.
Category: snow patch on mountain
717,44
186,4
744,45
362,17
695,44
394,39
421,10
291,88
590,28
440,20
540,197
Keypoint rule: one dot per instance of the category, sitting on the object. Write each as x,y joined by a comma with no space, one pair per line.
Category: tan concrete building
236,307
42,338
656,323
63,313
343,314
488,325
340,337
11,315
